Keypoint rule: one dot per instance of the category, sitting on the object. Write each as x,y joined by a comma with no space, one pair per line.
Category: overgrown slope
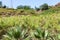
46,20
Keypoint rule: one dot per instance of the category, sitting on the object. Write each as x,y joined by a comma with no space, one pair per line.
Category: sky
31,3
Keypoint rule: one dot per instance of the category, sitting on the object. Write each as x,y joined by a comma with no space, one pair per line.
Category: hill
30,22
12,12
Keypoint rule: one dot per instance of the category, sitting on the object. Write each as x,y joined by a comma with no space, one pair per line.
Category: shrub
15,33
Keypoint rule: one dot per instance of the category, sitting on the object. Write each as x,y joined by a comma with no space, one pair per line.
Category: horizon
33,3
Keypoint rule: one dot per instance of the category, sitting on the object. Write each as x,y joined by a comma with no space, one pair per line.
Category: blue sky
31,3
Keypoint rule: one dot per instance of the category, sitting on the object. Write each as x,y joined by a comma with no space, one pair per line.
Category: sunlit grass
47,21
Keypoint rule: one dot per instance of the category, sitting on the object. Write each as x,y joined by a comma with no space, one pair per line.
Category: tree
24,7
0,4
20,7
27,7
37,9
4,6
44,6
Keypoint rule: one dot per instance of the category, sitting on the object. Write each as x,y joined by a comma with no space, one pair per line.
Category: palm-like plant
16,33
42,35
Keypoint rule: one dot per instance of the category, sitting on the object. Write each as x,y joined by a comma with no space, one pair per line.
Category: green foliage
27,7
4,6
23,7
19,33
44,6
31,21
20,7
53,10
29,27
37,8
42,34
15,33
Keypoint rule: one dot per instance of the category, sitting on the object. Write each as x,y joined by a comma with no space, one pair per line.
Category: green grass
51,11
27,22
46,21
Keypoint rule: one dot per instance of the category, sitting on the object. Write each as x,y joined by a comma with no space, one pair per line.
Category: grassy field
46,22
36,21
29,25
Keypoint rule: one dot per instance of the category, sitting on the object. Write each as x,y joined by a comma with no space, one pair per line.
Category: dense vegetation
26,23
49,23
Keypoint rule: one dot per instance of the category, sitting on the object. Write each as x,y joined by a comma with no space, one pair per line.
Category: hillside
23,24
12,12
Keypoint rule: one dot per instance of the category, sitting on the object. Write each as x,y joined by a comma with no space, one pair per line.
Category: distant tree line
24,7
42,7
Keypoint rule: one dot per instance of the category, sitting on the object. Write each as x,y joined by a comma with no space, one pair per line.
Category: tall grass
47,21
